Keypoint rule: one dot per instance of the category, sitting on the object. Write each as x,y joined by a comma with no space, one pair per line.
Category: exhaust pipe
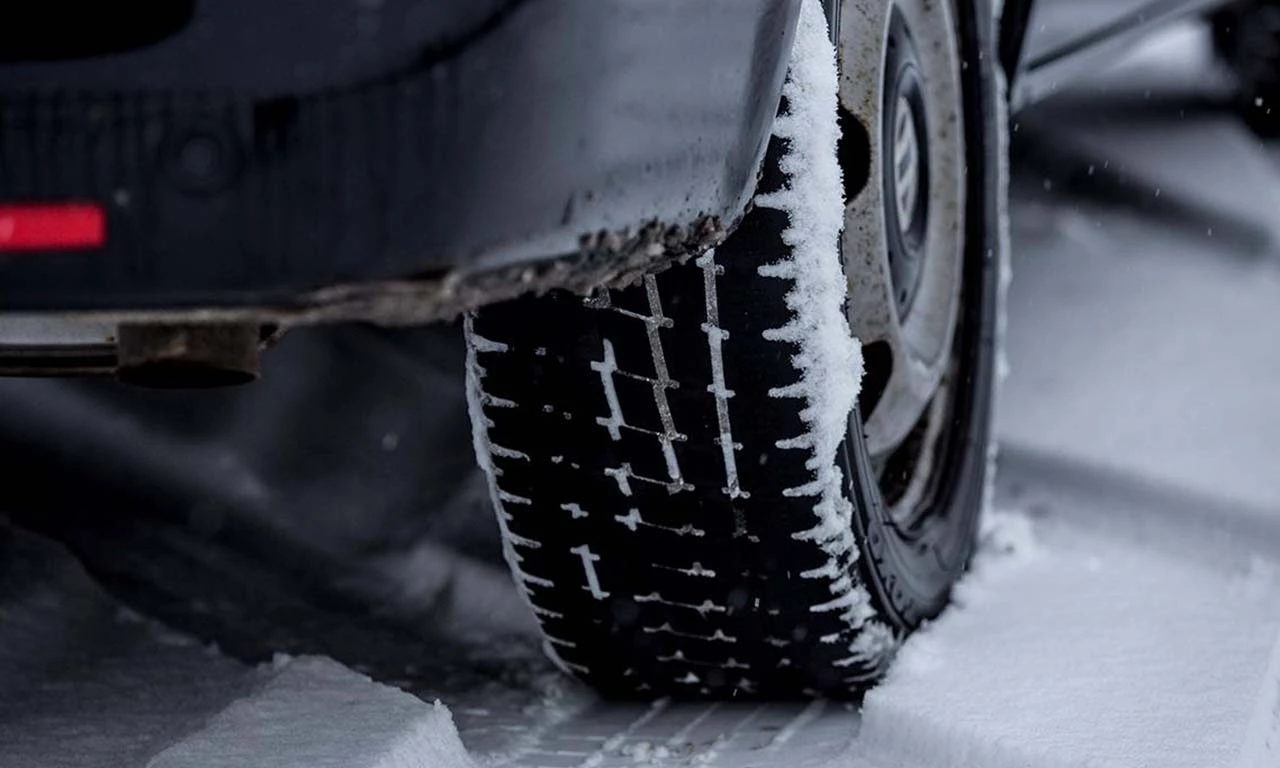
188,355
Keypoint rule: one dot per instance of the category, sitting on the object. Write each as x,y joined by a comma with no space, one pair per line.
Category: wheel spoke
919,345
907,506
911,386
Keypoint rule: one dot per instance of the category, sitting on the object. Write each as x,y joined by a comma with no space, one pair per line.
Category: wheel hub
905,174
906,161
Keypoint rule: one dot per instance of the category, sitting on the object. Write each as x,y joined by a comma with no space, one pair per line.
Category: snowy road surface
1111,623
1124,609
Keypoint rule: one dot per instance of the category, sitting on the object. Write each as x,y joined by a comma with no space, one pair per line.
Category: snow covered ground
1124,610
1143,336
1140,435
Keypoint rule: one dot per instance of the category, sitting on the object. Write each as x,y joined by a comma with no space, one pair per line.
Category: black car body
398,161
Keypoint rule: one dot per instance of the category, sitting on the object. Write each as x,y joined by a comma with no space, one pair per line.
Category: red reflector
52,227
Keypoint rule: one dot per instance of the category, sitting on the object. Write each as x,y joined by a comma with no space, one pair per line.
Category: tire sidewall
912,574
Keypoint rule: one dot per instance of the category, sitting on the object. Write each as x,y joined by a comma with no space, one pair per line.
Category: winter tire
693,495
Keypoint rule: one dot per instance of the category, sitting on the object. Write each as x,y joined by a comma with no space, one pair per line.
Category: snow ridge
314,712
829,359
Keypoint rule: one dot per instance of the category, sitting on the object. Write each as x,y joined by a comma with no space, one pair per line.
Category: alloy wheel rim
904,239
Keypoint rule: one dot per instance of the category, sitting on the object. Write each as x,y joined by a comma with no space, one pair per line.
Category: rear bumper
520,140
